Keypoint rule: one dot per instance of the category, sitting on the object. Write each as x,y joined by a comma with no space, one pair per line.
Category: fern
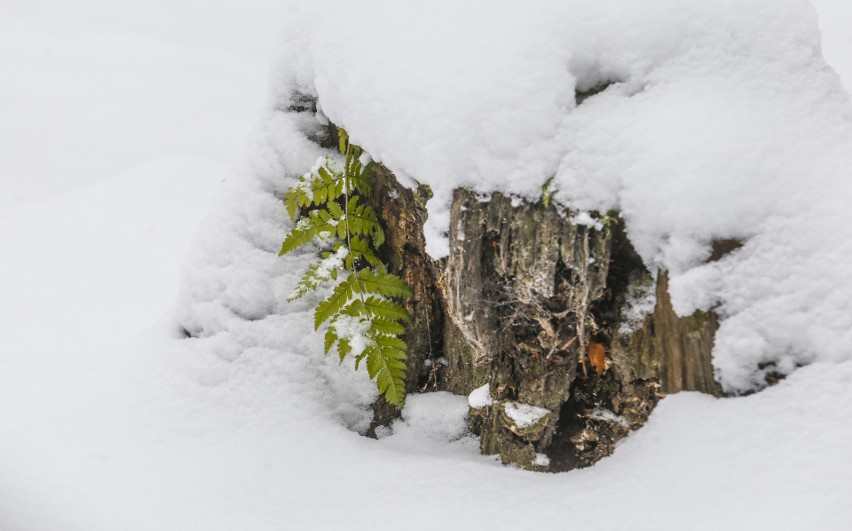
385,308
362,316
332,306
384,284
360,248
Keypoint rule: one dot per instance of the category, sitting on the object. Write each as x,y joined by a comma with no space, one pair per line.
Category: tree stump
563,336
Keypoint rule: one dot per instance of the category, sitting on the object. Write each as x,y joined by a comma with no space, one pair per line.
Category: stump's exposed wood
685,345
528,295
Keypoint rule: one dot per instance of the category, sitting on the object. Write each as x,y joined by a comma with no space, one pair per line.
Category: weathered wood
529,295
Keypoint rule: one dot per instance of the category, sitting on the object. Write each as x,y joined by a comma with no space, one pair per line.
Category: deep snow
110,420
93,88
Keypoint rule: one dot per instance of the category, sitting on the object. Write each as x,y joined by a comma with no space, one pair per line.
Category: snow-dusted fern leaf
362,316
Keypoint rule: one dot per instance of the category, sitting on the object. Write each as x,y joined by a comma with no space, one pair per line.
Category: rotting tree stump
536,309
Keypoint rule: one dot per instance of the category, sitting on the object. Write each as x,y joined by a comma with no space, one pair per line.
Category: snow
355,330
480,397
836,32
722,121
524,415
640,302
584,218
111,419
92,88
541,460
333,262
433,418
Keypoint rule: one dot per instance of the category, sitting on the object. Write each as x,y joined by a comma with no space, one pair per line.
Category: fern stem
349,233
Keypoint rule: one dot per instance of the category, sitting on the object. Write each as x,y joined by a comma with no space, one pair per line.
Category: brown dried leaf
597,357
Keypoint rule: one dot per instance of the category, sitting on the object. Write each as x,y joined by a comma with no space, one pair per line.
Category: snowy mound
697,120
722,121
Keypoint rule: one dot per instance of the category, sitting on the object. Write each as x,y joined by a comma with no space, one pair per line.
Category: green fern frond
360,312
315,189
318,224
387,366
363,181
297,238
292,205
360,248
343,349
392,343
360,357
327,185
342,140
384,284
362,221
353,309
387,327
384,315
330,339
332,305
350,157
309,282
391,383
298,197
335,211
374,360
386,309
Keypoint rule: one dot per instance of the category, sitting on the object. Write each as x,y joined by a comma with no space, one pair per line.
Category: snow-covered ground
120,124
91,89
